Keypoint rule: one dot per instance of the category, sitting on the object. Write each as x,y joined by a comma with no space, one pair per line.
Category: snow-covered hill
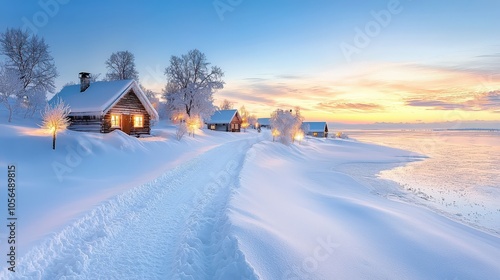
223,206
299,215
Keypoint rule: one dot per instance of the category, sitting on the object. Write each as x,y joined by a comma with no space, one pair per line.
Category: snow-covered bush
286,125
341,135
55,119
10,88
31,102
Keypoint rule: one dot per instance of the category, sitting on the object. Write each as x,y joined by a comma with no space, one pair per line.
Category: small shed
315,129
225,120
108,105
264,122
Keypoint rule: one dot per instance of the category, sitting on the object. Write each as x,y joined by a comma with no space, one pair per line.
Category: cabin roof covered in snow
264,121
99,97
315,126
223,116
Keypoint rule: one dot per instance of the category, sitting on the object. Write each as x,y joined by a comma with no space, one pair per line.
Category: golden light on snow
299,135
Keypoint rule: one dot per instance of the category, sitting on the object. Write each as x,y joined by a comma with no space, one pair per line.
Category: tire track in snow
175,227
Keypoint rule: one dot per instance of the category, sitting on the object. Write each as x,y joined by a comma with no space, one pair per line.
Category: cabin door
126,123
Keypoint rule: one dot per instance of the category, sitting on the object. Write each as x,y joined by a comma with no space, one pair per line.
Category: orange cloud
353,107
388,92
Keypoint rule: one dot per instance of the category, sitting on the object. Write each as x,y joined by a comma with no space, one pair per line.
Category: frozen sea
459,178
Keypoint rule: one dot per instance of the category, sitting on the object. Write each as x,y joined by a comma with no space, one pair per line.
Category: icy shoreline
440,180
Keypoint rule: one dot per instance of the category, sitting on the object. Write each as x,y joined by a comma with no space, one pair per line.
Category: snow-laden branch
191,85
55,119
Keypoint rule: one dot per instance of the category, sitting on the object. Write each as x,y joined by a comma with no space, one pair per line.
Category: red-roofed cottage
225,120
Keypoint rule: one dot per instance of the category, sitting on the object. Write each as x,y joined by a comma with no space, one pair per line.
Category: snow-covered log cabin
316,129
225,120
106,106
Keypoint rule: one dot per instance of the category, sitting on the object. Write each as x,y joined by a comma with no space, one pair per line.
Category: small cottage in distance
316,129
264,122
225,120
106,106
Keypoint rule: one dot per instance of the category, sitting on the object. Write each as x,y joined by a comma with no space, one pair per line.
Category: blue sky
418,59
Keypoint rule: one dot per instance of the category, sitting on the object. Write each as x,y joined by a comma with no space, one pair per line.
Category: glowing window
212,127
138,121
315,134
115,120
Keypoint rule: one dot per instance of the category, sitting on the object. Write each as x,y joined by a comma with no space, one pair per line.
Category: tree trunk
10,114
54,140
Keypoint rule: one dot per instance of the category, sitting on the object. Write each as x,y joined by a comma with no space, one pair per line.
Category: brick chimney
84,81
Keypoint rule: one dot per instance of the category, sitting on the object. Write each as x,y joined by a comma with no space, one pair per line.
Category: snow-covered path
173,227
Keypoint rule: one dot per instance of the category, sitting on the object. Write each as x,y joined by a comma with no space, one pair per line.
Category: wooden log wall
85,123
129,104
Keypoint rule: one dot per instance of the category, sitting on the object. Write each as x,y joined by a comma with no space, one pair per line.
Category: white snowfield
225,206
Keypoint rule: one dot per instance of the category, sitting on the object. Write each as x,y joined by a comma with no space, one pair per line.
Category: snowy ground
301,218
222,206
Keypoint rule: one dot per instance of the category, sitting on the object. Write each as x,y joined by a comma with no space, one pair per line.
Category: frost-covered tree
252,120
226,105
191,83
10,88
286,125
244,118
121,66
29,58
55,119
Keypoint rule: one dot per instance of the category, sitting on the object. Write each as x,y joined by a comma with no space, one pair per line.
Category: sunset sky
348,61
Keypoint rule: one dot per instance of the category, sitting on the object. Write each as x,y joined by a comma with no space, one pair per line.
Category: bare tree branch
121,66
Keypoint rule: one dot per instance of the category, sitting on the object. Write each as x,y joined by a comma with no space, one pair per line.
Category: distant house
225,120
316,129
107,106
264,122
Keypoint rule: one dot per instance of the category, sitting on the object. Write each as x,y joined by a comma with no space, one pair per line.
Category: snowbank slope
297,217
